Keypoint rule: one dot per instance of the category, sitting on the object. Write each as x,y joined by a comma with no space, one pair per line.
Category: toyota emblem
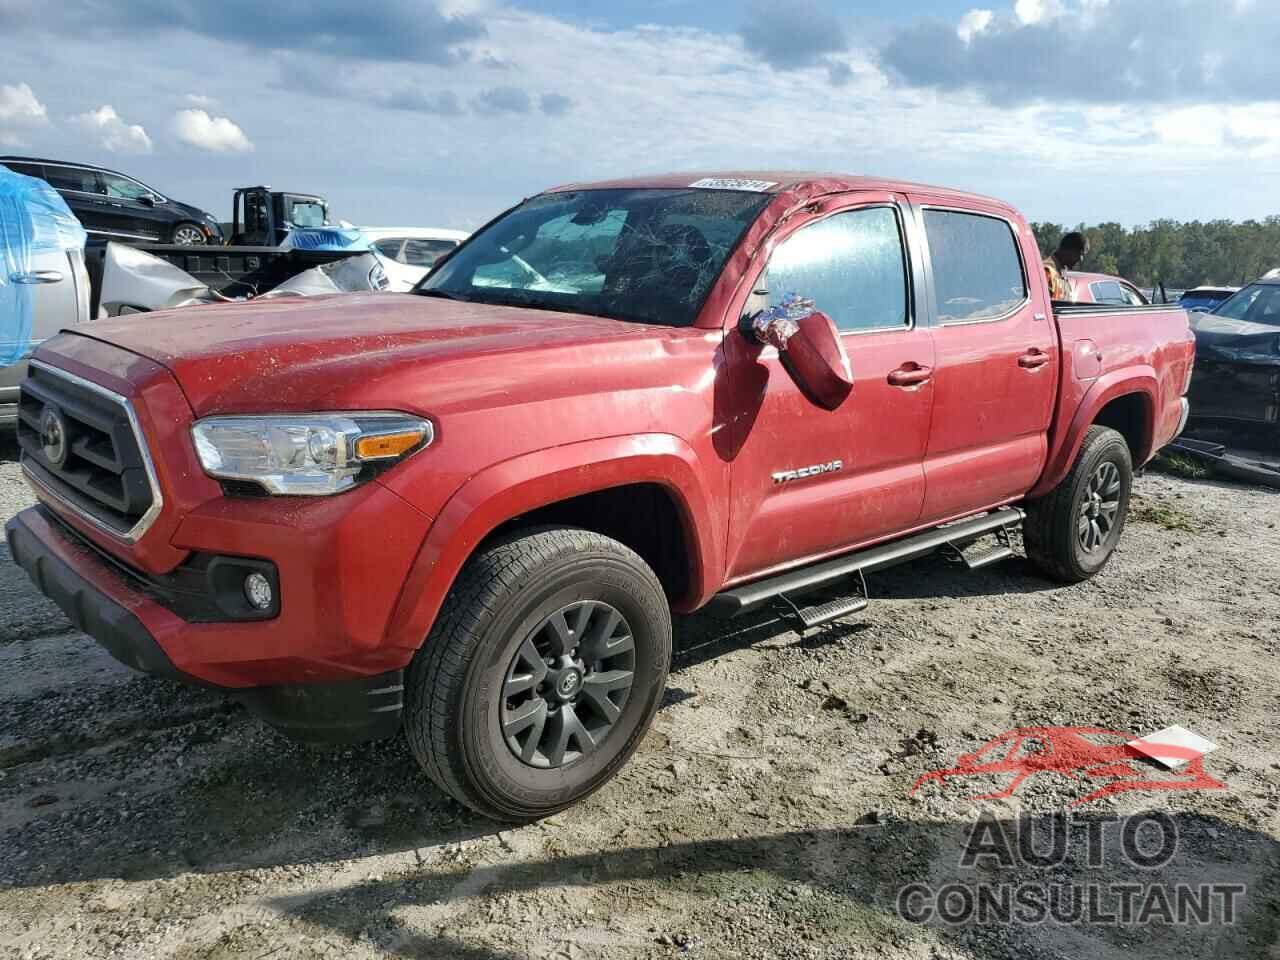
53,437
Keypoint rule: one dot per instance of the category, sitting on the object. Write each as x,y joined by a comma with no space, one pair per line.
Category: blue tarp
33,220
325,238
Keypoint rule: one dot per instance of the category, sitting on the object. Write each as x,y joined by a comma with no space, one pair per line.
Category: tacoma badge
786,476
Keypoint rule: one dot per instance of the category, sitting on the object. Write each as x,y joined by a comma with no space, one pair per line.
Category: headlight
308,455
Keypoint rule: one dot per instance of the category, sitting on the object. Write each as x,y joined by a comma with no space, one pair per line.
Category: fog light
257,590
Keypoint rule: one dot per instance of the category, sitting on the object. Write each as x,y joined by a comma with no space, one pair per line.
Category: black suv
118,207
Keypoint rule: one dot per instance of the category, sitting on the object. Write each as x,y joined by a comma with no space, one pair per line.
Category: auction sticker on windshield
733,183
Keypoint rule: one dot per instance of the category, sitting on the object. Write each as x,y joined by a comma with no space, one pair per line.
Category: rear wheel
542,673
187,234
1071,533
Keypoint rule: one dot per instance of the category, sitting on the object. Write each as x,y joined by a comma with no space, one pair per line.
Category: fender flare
516,486
1119,383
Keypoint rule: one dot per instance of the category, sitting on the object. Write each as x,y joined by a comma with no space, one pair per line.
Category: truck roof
774,181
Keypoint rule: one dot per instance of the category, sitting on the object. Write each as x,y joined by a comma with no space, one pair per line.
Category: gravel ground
769,813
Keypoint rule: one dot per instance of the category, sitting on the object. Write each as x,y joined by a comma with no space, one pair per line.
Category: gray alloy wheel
187,235
1071,533
541,673
1098,507
568,684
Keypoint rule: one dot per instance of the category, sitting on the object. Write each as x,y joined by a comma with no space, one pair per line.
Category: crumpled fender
537,479
1140,379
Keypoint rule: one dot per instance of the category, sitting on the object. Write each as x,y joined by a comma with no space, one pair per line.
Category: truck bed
232,271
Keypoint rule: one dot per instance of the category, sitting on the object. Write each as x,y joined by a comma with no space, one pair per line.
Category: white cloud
973,23
217,134
112,133
18,105
200,100
1253,130
1037,11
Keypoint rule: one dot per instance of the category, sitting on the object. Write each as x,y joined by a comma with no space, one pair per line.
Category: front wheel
187,235
542,673
1071,533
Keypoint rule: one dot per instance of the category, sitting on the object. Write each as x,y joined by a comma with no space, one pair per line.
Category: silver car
53,269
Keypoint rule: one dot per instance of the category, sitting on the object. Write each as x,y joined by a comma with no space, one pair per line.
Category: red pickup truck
470,510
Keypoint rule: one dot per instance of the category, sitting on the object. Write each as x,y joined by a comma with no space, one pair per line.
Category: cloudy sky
442,114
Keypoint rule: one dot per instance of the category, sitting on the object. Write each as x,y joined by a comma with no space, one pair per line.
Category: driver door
808,482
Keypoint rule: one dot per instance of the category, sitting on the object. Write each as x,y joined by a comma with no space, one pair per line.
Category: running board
739,600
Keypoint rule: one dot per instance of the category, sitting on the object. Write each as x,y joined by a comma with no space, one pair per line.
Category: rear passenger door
996,362
809,482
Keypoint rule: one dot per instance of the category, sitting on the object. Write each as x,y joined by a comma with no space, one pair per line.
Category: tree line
1179,255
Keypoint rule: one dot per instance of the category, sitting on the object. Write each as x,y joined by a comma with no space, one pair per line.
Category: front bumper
102,602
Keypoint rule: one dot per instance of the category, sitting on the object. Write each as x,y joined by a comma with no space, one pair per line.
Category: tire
187,235
464,729
1055,542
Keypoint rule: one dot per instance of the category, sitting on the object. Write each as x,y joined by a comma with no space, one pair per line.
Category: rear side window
1107,291
390,248
977,272
73,178
850,265
1132,296
424,253
26,169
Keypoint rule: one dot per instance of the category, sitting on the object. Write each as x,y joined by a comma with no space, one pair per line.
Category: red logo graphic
1067,751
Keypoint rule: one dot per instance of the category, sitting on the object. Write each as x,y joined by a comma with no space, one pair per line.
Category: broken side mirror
809,347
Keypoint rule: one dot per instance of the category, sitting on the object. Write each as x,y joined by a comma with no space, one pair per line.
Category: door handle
1033,359
37,276
910,375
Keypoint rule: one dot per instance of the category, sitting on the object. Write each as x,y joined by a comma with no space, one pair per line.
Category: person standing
1072,248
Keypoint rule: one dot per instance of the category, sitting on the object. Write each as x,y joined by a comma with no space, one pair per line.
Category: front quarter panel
524,483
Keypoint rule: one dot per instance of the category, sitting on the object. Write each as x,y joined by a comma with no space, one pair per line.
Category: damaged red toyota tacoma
470,511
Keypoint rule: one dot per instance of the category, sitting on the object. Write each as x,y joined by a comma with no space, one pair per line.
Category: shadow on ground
220,791
850,882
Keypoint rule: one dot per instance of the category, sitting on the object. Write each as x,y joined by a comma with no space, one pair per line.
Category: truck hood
358,351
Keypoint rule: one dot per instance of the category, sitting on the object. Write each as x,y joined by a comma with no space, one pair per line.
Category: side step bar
749,596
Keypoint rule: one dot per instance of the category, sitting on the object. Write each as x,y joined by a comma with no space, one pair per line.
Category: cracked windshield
645,255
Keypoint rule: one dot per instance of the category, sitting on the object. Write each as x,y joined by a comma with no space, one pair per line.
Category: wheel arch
1123,400
656,477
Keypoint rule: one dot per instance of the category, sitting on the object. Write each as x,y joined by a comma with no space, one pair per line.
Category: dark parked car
118,207
1237,372
1206,299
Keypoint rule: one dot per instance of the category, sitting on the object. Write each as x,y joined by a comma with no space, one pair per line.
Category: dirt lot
769,813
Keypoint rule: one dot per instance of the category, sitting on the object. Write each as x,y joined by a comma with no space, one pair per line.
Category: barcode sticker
733,183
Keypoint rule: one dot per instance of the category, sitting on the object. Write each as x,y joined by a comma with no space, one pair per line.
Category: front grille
99,468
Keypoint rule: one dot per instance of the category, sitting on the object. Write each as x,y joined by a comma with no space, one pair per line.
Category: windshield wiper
437,292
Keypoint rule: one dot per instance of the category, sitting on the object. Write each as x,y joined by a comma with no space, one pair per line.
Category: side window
1132,296
123,188
850,264
977,272
390,248
26,169
424,253
1107,291
305,213
73,178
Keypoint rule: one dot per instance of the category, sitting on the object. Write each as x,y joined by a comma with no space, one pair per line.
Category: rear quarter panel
1112,352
